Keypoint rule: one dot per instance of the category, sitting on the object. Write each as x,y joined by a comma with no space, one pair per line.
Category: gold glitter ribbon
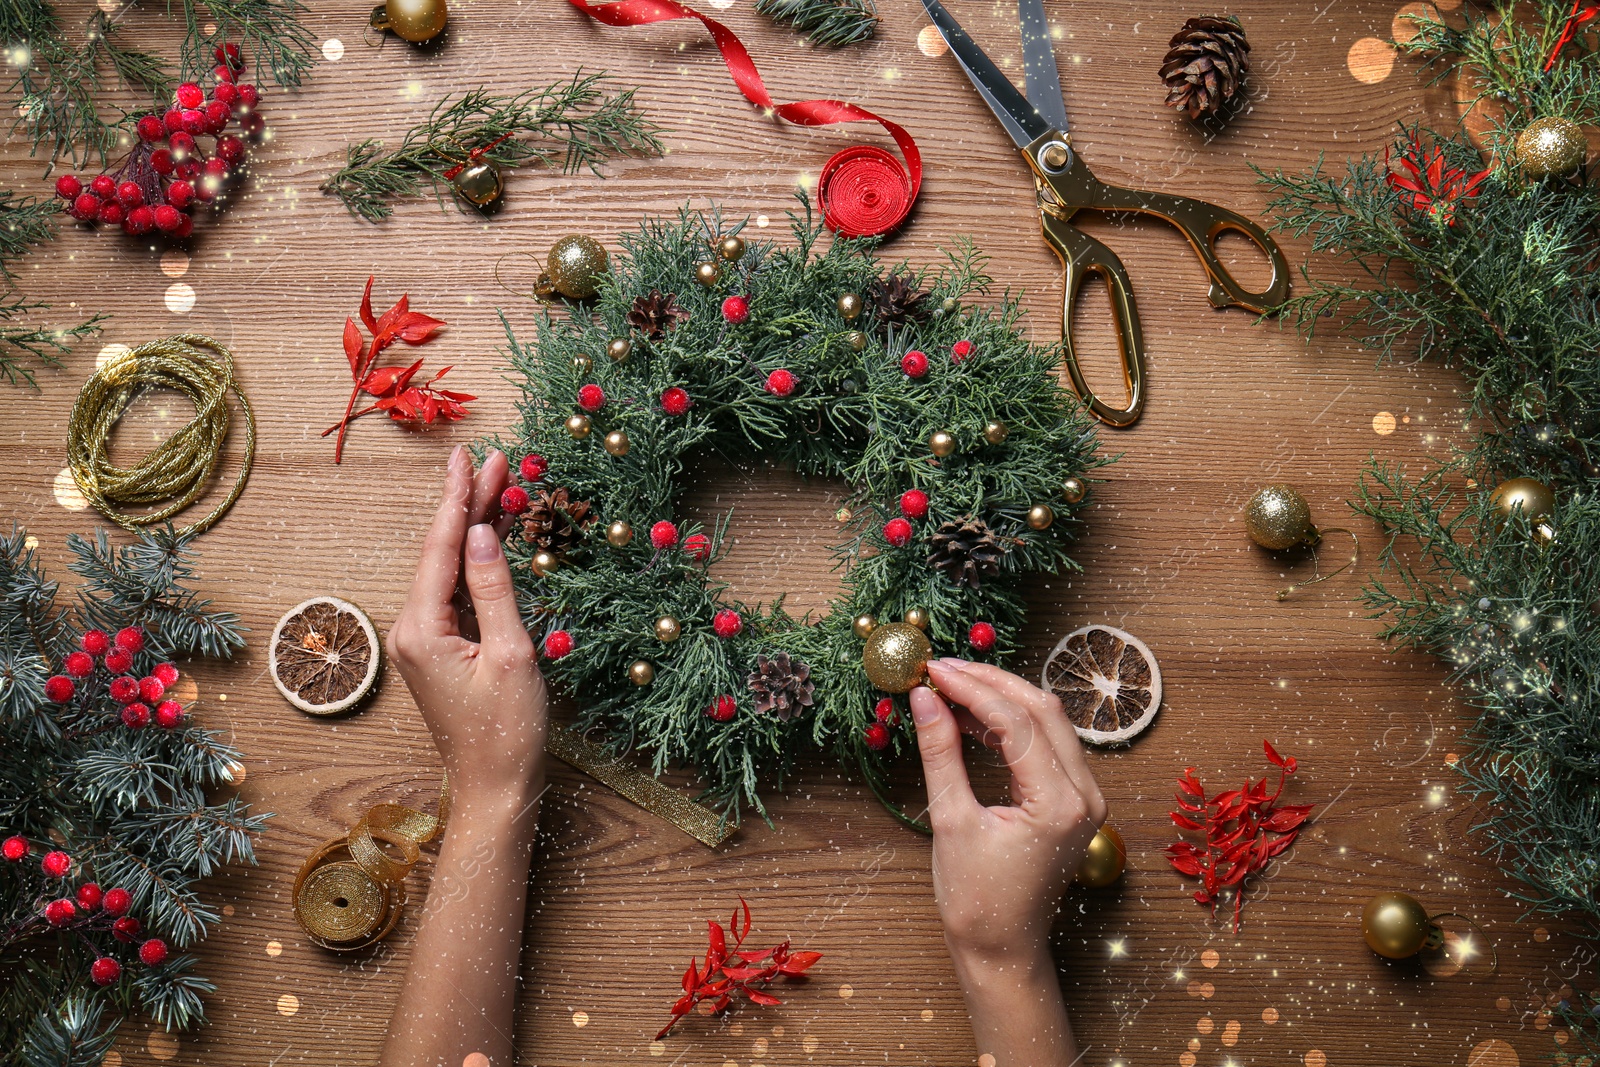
662,801
178,470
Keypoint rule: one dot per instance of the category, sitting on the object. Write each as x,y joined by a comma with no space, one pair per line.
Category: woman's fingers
1027,751
950,798
435,584
494,599
487,486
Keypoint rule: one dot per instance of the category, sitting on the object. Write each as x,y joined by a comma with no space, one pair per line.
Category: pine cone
554,522
966,552
655,314
895,301
782,686
1206,65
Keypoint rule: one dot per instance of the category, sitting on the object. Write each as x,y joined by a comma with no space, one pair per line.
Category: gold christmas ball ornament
1551,146
896,657
917,617
575,266
863,626
1528,495
1073,490
411,20
1040,516
617,443
1396,926
618,534
1278,517
849,305
707,273
619,348
942,443
641,673
545,564
668,629
582,364
1104,861
731,248
857,340
996,432
578,426
480,182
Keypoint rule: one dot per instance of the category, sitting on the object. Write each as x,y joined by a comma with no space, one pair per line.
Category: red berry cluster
86,909
167,174
136,696
515,500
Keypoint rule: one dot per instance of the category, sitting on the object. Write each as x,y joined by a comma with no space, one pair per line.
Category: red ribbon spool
864,191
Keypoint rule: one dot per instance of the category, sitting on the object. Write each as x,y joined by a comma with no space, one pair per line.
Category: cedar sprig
826,23
579,123
268,32
24,347
24,222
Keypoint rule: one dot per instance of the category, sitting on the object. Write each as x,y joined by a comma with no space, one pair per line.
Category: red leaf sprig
728,971
1427,185
1244,831
392,387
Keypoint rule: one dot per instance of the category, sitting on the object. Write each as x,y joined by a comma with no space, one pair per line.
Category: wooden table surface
619,898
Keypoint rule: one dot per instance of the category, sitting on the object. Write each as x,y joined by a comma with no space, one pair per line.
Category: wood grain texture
620,899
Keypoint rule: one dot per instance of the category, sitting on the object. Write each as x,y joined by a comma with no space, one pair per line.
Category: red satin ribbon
864,191
473,156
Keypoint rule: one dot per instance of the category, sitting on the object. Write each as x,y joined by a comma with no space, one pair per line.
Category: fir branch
268,31
24,222
580,123
827,23
22,344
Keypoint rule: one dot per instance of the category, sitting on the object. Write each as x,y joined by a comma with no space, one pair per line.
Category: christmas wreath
966,459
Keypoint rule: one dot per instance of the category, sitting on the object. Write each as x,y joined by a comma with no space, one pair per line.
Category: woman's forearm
460,989
1019,1018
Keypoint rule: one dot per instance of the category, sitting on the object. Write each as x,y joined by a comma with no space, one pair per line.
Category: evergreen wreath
699,342
104,811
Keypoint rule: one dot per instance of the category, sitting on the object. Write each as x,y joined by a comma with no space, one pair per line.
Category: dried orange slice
324,656
1107,681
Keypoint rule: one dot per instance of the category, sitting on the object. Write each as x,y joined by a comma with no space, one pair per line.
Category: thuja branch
24,222
829,23
267,31
22,345
578,124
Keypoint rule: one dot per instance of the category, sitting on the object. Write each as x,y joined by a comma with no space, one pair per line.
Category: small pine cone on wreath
653,315
966,552
783,686
896,301
554,522
1206,65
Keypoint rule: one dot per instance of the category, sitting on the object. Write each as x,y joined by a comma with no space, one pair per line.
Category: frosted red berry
981,637
557,644
249,97
68,187
960,351
104,971
181,145
95,642
727,623
217,116
663,534
117,902
876,735
168,218
151,689
226,92
60,912
89,896
897,532
914,363
722,709
185,226
228,55
697,547
79,664
58,689
110,213
104,186
192,121
135,716
180,194
118,660
253,125
514,501
532,467
675,401
781,383
223,75
126,928
190,95
153,952
883,711
124,690
161,161
167,673
15,848
56,863
131,638
151,128
169,714
85,207
591,397
129,194
914,504
736,309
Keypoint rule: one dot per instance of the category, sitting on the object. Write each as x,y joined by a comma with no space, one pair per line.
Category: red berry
532,467
167,673
104,186
736,309
89,896
897,532
124,690
675,401
86,207
248,96
68,187
960,351
231,150
663,535
14,848
135,716
253,125
193,121
118,901
217,116
514,501
781,383
111,214
161,161
118,660
169,713
140,220
79,664
104,971
981,636
876,736
727,623
557,644
153,952
226,92
591,398
151,688
697,547
190,95
185,226
129,194
914,363
216,167
126,928
223,75
59,689
180,194
168,218
721,709
182,146
56,863
60,912
131,638
884,711
151,128
172,119
227,55
914,504
186,171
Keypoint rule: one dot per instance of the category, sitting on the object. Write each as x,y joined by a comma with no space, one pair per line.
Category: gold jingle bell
942,443
668,629
731,248
1040,516
575,265
707,273
1278,517
896,657
578,426
411,20
1528,495
617,443
545,564
995,432
917,617
1551,146
618,349
849,305
480,182
618,534
1073,490
863,626
1104,860
641,673
1396,926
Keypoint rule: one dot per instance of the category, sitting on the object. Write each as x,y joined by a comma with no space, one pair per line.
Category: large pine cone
895,301
966,552
655,314
554,522
1206,65
783,687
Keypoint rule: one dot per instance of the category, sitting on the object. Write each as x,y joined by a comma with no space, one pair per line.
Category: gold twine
179,469
662,801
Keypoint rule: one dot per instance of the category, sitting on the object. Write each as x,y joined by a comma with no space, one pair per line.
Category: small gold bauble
1528,495
1396,926
545,563
1278,517
582,364
668,629
1073,490
707,273
942,444
1040,516
1104,861
896,657
618,349
917,617
411,20
618,534
731,248
578,426
575,266
856,339
863,626
849,305
479,182
1551,146
641,672
996,432
617,443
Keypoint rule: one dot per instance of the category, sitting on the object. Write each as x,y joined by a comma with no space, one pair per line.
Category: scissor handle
1082,257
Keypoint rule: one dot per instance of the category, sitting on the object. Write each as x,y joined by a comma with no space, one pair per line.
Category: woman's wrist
1005,970
497,805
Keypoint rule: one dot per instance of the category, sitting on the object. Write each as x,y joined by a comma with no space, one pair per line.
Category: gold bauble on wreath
617,443
1073,490
1551,146
707,273
1278,517
1104,860
641,673
618,348
856,339
1396,926
582,364
411,20
896,657
668,629
545,563
942,444
1040,517
1528,495
863,626
480,182
618,534
578,426
849,305
995,432
575,266
731,248
917,617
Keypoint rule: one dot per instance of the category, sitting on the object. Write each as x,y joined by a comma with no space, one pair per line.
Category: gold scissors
1038,124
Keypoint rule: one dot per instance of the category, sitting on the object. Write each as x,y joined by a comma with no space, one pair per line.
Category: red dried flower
1428,185
728,971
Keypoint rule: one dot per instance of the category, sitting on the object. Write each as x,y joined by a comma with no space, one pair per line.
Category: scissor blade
1020,118
1039,64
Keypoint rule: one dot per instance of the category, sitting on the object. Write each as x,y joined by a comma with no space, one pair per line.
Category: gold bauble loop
1104,860
917,617
411,20
995,432
731,248
1278,517
641,673
480,182
575,266
545,563
863,626
1528,495
856,339
849,305
582,364
618,534
942,443
578,426
1396,926
617,443
1551,146
1544,534
896,657
1040,516
707,273
668,629
1073,490
618,348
